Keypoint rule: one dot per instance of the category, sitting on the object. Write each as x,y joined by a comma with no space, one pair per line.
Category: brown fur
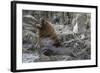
47,31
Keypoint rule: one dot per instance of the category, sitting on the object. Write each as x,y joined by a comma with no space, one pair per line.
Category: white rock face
29,57
75,29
